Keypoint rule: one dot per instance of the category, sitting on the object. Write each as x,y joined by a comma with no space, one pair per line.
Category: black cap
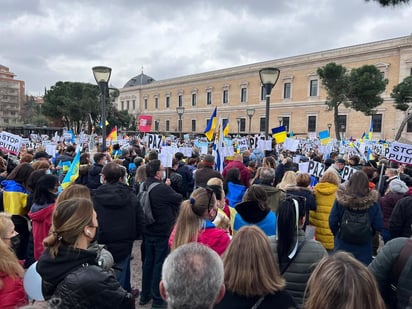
340,160
41,154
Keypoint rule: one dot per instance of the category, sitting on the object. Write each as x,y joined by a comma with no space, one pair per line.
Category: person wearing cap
396,191
354,162
203,174
41,156
338,166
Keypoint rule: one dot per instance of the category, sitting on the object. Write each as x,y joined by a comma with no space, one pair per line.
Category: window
409,126
225,97
286,90
262,93
242,125
313,91
156,102
342,123
156,125
134,104
167,102
410,73
377,122
122,105
127,104
262,122
180,100
243,94
145,103
167,125
312,124
208,97
193,125
194,99
285,122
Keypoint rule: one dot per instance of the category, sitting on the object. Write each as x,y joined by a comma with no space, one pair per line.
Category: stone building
297,100
12,93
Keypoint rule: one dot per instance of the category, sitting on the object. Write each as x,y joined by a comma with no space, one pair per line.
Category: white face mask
102,180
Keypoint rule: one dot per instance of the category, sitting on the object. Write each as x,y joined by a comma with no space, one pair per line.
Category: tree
359,90
402,94
391,2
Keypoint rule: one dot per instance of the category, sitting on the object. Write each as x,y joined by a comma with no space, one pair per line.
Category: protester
288,180
192,277
353,202
203,174
224,216
252,278
341,281
400,222
233,186
69,271
296,255
187,175
267,182
94,172
237,162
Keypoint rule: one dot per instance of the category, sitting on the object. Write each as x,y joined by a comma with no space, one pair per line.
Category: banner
401,153
145,123
10,143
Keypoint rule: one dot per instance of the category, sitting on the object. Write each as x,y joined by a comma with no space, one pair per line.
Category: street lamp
280,118
268,77
180,111
102,77
329,126
250,112
238,126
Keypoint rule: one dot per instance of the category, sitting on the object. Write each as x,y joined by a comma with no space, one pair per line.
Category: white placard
291,144
401,153
10,143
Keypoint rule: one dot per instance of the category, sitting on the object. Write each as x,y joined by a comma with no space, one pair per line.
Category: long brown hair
249,263
74,190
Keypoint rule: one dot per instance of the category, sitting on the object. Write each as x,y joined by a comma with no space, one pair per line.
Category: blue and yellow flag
73,172
225,127
324,137
211,125
370,131
279,134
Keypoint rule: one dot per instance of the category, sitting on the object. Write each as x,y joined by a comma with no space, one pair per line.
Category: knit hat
398,186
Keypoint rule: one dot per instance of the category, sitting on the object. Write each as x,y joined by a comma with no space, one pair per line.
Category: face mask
102,180
15,242
48,172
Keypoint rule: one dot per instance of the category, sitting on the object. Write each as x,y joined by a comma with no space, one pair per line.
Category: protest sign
10,143
401,153
154,141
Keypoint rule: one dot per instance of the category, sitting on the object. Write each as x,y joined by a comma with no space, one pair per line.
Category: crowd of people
259,234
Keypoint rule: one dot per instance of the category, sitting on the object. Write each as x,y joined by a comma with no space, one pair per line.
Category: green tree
402,94
31,112
360,89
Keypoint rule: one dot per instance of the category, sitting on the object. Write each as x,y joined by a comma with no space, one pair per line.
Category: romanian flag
370,131
324,137
112,136
225,127
73,172
211,125
279,134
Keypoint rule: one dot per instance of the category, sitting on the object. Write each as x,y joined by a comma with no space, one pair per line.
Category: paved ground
136,271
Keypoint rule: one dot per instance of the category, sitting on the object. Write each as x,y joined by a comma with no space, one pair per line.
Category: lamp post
102,77
329,127
238,126
268,77
180,111
250,112
280,118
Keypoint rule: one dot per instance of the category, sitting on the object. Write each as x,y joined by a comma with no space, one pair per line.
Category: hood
54,270
13,186
95,169
251,212
326,188
356,202
35,208
111,195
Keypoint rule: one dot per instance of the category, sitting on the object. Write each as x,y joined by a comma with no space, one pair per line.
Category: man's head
192,276
112,173
99,158
340,163
267,176
154,168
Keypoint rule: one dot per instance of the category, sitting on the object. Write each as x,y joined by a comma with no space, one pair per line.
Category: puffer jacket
307,193
325,193
299,271
382,266
362,252
74,278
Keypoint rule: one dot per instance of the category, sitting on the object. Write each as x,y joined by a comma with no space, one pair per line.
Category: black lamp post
280,118
250,112
238,126
180,111
268,77
102,77
329,127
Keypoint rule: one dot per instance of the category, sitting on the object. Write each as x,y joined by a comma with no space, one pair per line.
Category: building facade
297,100
12,93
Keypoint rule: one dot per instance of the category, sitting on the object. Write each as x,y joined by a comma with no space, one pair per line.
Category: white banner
401,153
10,143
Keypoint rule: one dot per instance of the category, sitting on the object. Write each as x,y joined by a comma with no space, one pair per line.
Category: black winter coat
93,176
120,217
400,222
74,278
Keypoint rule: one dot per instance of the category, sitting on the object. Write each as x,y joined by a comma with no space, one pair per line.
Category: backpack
355,227
144,200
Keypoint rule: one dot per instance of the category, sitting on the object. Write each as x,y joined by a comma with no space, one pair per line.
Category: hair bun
192,201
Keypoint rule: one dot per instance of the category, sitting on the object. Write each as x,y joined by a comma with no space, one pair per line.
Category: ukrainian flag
73,172
370,131
324,137
211,125
225,127
279,134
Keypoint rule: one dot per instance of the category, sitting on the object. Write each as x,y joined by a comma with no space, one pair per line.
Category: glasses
210,192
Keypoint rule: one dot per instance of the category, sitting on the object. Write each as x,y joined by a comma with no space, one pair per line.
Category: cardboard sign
10,143
347,172
316,168
401,153
145,123
154,141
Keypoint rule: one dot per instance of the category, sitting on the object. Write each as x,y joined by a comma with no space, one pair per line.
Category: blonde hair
340,281
190,219
249,264
269,162
69,219
288,179
9,264
74,190
140,174
330,177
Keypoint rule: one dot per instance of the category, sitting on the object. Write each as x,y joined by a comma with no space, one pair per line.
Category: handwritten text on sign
10,143
401,153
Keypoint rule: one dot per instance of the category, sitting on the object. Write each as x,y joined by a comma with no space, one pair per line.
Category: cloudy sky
45,41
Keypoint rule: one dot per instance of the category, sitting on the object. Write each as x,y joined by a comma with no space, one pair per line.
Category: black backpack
355,226
144,200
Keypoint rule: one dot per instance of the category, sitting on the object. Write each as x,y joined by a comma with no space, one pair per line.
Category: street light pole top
250,112
102,74
180,110
329,125
269,76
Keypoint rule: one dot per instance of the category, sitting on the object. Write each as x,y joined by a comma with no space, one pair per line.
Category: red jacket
244,172
41,223
12,294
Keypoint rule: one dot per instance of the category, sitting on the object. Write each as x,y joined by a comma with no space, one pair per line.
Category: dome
141,79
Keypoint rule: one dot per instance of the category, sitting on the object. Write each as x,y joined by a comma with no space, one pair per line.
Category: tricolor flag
112,136
279,134
73,171
211,125
324,137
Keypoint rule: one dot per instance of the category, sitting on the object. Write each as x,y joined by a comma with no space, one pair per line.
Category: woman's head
303,180
358,184
216,184
41,164
269,162
140,174
73,191
46,189
73,220
250,267
7,231
330,177
256,194
289,179
341,281
21,173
